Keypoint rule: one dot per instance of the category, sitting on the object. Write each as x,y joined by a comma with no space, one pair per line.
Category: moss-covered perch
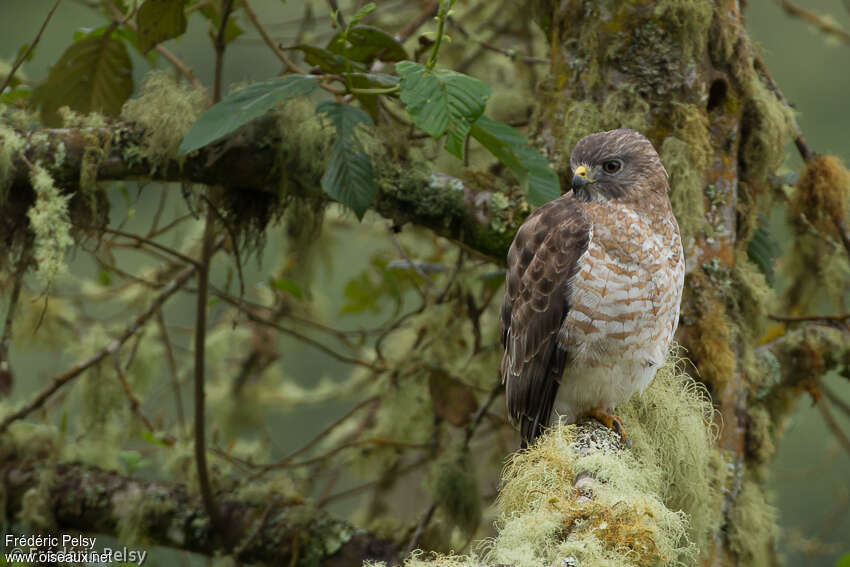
45,496
258,166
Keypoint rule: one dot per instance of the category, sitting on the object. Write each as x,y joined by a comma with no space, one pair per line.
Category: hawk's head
616,164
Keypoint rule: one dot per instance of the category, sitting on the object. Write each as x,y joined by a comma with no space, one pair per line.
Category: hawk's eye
612,166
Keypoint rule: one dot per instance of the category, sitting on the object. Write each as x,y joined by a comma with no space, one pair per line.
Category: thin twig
220,48
482,411
808,318
289,63
175,61
512,54
420,528
412,264
325,432
295,334
6,337
134,401
426,14
61,379
32,45
172,370
799,141
833,425
336,12
833,397
152,244
825,25
349,492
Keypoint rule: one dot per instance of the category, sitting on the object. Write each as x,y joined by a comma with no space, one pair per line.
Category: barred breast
624,311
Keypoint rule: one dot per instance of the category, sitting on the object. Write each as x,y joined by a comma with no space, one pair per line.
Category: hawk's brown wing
541,261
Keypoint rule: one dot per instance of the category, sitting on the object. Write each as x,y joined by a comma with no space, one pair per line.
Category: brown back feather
542,260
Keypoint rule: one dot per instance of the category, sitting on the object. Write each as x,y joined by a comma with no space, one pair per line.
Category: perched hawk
593,288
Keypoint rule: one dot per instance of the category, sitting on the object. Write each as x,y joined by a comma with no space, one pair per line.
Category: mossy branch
90,500
252,161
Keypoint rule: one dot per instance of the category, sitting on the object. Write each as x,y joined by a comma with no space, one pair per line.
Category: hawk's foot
610,421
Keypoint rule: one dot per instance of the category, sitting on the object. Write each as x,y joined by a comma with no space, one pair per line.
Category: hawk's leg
610,421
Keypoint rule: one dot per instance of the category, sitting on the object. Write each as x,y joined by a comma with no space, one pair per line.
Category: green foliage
50,224
159,20
243,106
349,178
167,111
441,101
290,287
366,43
327,60
456,491
95,74
524,161
762,250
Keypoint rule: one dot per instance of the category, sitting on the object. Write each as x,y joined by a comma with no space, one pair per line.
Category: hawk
593,287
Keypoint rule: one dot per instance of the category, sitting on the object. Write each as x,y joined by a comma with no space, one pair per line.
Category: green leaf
327,60
132,38
241,107
159,20
843,561
348,179
290,287
362,13
367,43
762,250
94,74
528,165
441,101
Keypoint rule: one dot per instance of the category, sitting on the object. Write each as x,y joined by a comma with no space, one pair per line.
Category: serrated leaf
290,287
241,107
528,165
327,60
159,20
94,74
441,101
762,250
367,43
348,179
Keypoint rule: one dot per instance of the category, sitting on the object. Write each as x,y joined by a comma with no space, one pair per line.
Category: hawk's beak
581,177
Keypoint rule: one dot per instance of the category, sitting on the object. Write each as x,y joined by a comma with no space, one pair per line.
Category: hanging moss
752,526
165,110
765,125
10,144
455,489
822,195
575,498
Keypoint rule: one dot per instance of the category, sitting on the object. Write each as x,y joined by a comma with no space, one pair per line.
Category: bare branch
31,46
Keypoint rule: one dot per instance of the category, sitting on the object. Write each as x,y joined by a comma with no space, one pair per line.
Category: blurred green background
811,474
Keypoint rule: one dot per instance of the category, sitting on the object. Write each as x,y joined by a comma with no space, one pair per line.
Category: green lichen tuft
50,223
576,498
456,491
166,111
672,426
36,504
822,196
688,19
686,195
752,526
766,123
10,144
